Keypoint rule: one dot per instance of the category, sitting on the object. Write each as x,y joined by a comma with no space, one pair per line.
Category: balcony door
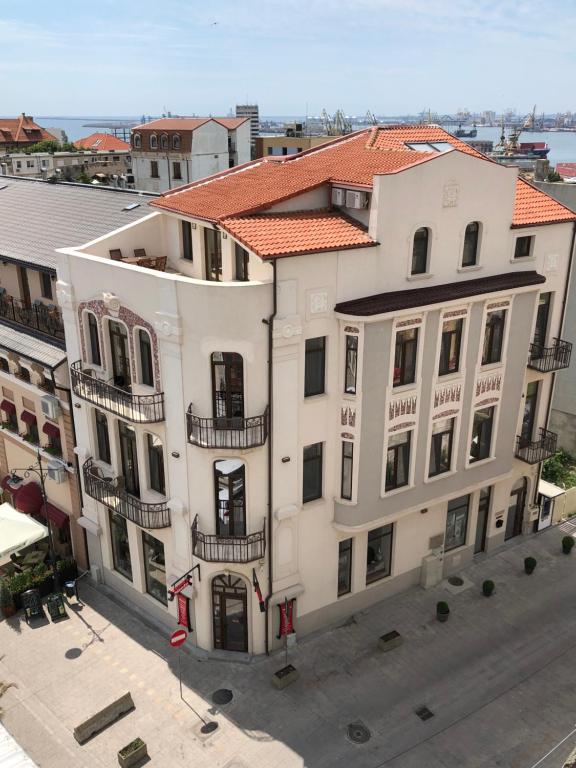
227,386
541,328
24,286
120,354
129,458
230,613
230,491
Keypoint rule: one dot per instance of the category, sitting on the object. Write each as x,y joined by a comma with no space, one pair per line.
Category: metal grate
424,713
357,733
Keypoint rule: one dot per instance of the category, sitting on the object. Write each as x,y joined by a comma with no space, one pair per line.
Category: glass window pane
154,567
102,437
94,340
493,337
420,251
187,241
351,365
347,469
405,354
450,347
146,371
379,553
456,523
120,548
481,434
344,567
469,255
156,464
312,472
314,366
398,461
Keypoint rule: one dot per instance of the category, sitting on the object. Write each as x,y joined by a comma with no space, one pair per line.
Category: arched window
137,141
176,141
164,141
153,141
470,252
420,251
93,339
145,350
227,385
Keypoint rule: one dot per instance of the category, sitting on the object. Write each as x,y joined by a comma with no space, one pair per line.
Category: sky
292,57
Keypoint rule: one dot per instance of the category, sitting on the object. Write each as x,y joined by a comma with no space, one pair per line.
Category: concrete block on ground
103,718
390,640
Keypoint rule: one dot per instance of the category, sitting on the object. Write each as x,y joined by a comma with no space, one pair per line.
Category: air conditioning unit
50,407
56,472
356,199
338,196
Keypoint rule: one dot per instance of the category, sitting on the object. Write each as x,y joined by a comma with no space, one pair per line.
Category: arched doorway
515,518
230,613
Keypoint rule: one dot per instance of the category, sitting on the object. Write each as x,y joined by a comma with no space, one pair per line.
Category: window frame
522,239
476,242
444,368
117,521
146,360
415,272
164,141
93,333
187,244
153,141
137,141
400,379
347,470
155,461
317,464
315,366
213,254
102,436
46,285
396,449
154,169
456,543
490,334
481,437
346,549
176,141
145,563
386,533
436,446
241,263
351,364
176,170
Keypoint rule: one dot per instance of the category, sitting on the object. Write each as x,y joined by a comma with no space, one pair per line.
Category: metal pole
180,674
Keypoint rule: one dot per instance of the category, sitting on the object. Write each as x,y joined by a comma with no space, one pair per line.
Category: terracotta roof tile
189,123
289,234
536,207
22,130
101,142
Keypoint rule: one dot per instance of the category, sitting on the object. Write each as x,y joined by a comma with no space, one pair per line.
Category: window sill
521,259
479,463
379,580
471,268
350,395
345,502
440,476
443,378
312,398
396,491
313,502
423,276
401,389
491,366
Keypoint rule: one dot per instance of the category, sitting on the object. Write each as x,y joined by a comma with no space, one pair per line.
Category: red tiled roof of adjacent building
189,123
291,234
352,160
102,142
22,131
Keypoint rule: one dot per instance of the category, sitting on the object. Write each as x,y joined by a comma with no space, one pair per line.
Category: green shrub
567,544
6,598
20,582
560,470
488,587
442,607
529,564
132,747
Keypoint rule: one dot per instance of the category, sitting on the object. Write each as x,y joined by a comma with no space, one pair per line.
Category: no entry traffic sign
178,637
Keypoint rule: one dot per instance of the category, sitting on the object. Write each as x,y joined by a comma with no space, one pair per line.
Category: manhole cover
358,733
424,713
222,696
456,581
209,727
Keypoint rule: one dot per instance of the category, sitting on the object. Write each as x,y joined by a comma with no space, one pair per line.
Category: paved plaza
499,678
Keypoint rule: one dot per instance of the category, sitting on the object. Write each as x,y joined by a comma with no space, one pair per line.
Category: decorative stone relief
402,407
402,425
449,394
551,262
454,313
492,383
499,304
348,416
351,329
409,321
64,293
487,401
450,194
347,436
168,325
318,302
112,303
446,414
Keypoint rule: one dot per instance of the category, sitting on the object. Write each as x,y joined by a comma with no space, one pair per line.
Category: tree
560,470
49,145
554,176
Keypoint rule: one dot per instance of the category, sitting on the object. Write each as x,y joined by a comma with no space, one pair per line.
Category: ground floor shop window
120,547
154,567
379,553
457,523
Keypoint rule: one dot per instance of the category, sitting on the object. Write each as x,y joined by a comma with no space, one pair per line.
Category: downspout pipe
270,323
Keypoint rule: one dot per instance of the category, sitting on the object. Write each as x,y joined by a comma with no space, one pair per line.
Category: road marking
554,748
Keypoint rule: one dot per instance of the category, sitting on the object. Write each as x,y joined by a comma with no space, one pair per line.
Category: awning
55,515
50,429
7,406
27,498
28,417
17,531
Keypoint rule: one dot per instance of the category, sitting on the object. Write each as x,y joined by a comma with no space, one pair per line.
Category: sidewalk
498,678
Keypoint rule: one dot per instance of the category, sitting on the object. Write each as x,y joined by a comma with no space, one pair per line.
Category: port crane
336,124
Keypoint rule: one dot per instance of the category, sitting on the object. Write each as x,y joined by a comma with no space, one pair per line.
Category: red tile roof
189,123
22,130
535,207
291,234
101,142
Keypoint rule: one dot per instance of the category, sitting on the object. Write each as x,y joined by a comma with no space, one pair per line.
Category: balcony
39,317
110,492
140,409
535,451
227,549
554,358
224,432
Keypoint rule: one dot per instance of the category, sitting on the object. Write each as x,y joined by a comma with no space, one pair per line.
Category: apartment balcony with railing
552,358
110,492
213,548
43,318
140,409
227,432
535,451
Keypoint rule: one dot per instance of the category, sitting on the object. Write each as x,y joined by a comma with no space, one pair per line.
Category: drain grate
358,733
456,581
424,713
222,696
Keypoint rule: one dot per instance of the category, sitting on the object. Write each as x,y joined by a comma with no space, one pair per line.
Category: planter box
390,640
285,677
133,758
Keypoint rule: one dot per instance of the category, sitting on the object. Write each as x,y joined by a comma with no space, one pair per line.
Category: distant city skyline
291,57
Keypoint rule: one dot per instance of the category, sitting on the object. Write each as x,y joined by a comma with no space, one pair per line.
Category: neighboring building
35,403
113,166
173,151
102,142
333,381
20,132
287,145
250,111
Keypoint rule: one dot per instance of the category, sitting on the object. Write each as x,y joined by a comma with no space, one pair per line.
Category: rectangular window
523,247
450,347
213,254
154,567
398,460
156,464
154,169
94,340
54,445
351,365
32,432
441,447
405,353
120,548
493,337
314,365
379,553
541,328
312,472
242,259
46,285
176,171
347,469
456,523
344,567
481,434
146,369
102,437
187,241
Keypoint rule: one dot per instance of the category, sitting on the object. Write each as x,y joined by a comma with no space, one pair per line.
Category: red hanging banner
286,617
258,591
183,613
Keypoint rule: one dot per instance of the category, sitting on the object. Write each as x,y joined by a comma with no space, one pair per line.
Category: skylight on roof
131,206
429,146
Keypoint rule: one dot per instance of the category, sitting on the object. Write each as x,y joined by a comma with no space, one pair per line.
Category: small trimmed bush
442,611
529,564
488,587
132,747
567,544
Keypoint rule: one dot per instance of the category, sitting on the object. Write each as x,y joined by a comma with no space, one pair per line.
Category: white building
69,166
172,151
251,111
406,291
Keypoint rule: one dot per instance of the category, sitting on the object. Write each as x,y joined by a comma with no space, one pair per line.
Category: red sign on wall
183,613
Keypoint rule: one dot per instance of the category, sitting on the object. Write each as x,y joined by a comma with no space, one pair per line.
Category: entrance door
24,286
482,520
227,385
546,505
120,354
230,498
229,614
516,512
129,458
529,417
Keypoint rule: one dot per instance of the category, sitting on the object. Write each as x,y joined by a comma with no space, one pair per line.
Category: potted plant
488,587
442,611
529,564
67,569
42,579
6,600
132,753
567,544
17,584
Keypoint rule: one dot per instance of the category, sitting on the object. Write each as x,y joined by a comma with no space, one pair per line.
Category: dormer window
176,141
164,141
137,141
153,141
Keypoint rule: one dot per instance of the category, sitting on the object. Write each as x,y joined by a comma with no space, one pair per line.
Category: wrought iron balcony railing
224,432
110,492
227,549
552,358
39,317
535,451
141,409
